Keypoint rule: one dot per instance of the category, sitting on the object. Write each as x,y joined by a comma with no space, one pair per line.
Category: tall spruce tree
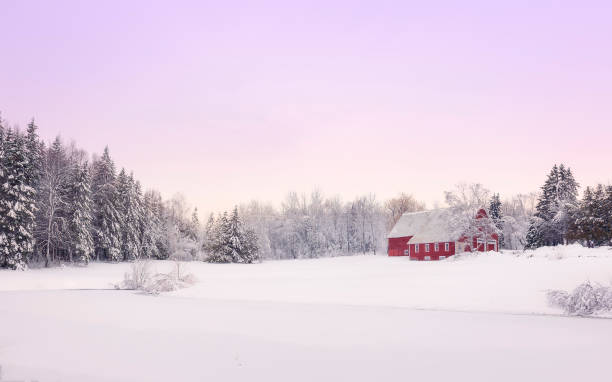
553,211
17,203
130,211
80,214
151,226
107,219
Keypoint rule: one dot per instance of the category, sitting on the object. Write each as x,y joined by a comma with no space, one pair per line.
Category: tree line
58,204
562,218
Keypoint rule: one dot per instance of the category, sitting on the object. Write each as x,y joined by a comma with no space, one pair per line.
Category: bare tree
397,206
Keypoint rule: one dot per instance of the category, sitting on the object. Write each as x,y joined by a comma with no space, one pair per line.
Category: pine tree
234,240
151,226
107,220
80,213
555,204
219,245
129,208
194,229
533,239
209,232
495,214
17,204
35,154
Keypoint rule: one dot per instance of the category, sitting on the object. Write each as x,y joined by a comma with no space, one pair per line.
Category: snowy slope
351,318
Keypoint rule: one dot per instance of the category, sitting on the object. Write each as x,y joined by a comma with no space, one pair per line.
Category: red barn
427,235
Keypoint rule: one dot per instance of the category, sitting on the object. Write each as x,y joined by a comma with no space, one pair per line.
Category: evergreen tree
533,239
129,208
495,214
80,213
554,208
230,242
209,233
194,228
107,219
17,204
589,220
219,248
151,226
35,155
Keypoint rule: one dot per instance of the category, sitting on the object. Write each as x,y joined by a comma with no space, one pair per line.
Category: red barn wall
397,245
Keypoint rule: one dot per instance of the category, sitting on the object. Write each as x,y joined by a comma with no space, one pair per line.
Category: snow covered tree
209,232
107,219
35,152
129,207
51,229
558,199
231,243
495,213
465,217
219,249
152,235
590,220
80,214
17,203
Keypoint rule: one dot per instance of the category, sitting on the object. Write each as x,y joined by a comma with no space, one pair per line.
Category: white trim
427,258
446,247
416,248
436,247
426,247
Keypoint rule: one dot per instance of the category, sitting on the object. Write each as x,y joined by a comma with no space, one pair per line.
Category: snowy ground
361,318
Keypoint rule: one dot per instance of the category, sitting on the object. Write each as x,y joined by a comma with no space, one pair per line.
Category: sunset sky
228,101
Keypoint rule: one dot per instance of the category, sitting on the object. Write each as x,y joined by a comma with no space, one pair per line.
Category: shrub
584,300
140,278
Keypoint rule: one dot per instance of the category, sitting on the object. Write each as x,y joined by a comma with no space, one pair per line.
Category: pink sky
228,101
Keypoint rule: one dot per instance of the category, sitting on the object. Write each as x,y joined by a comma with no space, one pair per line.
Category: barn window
446,246
436,247
442,257
427,258
416,248
426,247
406,252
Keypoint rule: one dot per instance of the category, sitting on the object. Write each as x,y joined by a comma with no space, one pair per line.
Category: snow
479,317
424,226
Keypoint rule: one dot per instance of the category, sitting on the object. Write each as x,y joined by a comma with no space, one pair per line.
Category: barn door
480,245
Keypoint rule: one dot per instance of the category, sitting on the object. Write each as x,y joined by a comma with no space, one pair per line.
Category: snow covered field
362,318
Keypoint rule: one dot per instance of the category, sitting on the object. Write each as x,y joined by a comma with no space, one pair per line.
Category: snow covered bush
140,278
584,300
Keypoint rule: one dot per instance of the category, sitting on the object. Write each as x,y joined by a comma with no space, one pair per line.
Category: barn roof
424,227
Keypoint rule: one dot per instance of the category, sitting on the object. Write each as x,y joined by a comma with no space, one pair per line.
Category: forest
60,204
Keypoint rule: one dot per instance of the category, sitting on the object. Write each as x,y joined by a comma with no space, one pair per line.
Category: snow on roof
424,227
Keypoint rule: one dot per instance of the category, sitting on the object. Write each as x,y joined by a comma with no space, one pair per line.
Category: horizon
229,103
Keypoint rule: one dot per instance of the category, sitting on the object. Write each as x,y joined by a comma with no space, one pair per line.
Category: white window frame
406,252
426,247
427,258
446,247
442,257
416,248
436,247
